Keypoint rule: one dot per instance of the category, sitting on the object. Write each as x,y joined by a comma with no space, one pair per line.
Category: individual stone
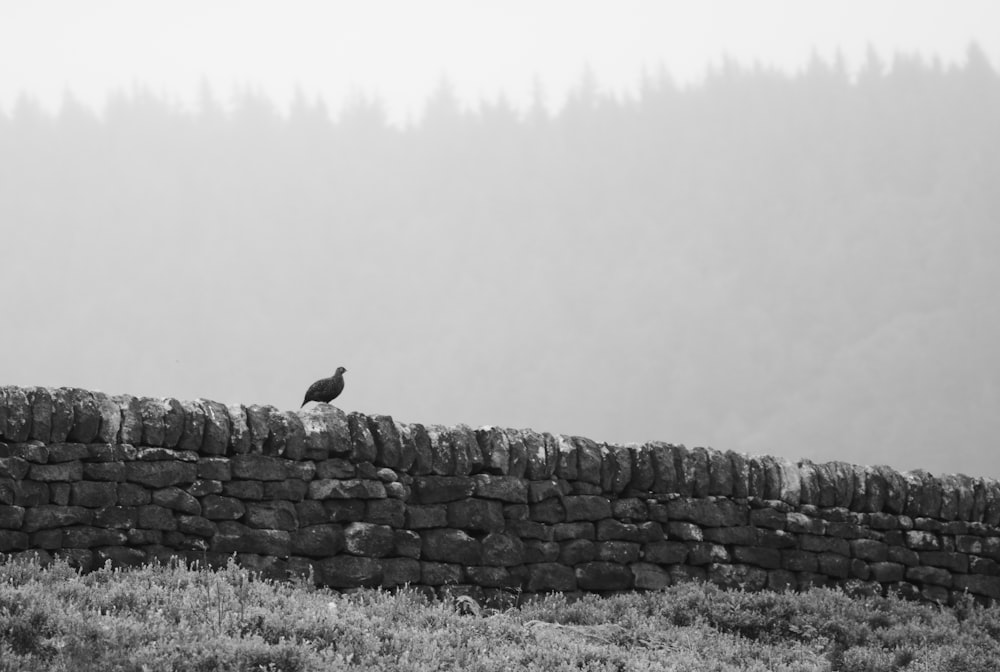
440,573
567,458
362,442
476,514
369,539
743,577
442,454
407,543
988,586
245,490
346,489
799,523
104,471
818,544
154,517
62,414
391,512
259,424
215,439
93,494
643,474
623,552
176,499
503,488
448,545
11,517
921,540
194,426
648,576
720,474
769,558
232,537
15,414
217,507
86,416
468,457
707,512
791,482
703,553
275,515
550,576
809,478
259,467
421,517
161,474
933,575
501,549
576,551
196,525
66,452
540,452
388,446
495,448
14,468
518,465
88,537
887,572
152,412
436,489
414,439
832,564
65,471
870,550
132,494
685,531
116,517
239,430
586,507
616,468
603,576
41,414
492,577
327,432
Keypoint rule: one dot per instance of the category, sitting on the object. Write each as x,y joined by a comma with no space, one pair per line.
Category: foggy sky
792,283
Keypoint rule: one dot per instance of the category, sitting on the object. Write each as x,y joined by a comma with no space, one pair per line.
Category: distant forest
808,259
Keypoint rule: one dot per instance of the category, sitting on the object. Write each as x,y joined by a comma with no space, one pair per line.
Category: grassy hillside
174,618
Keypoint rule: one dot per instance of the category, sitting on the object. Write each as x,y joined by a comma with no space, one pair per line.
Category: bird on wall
327,389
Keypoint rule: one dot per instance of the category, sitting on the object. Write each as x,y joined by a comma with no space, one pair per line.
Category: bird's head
341,370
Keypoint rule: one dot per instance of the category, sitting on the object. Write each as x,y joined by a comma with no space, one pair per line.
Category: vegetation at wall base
172,617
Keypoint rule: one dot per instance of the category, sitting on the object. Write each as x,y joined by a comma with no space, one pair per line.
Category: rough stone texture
367,501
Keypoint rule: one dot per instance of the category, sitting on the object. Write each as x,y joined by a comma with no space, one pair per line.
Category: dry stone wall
355,500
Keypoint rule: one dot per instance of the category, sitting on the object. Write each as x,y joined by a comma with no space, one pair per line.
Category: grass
178,618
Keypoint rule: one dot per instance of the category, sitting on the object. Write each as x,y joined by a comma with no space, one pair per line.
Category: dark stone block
104,471
476,514
449,545
216,507
246,490
348,571
440,573
408,543
67,452
63,472
586,507
346,489
335,468
577,551
665,552
215,440
196,525
318,541
887,572
421,517
390,512
49,515
603,576
93,494
178,500
502,550
14,468
504,488
769,558
276,515
291,489
436,489
232,537
161,474
327,432
550,576
153,517
869,549
131,494
117,517
540,452
194,426
259,467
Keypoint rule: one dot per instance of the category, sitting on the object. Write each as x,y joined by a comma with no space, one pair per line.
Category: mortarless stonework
357,500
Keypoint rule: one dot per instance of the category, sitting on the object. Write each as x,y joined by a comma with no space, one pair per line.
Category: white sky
399,49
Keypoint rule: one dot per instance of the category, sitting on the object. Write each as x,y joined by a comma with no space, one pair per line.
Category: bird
326,389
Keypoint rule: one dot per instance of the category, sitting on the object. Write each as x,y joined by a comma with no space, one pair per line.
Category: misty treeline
803,263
